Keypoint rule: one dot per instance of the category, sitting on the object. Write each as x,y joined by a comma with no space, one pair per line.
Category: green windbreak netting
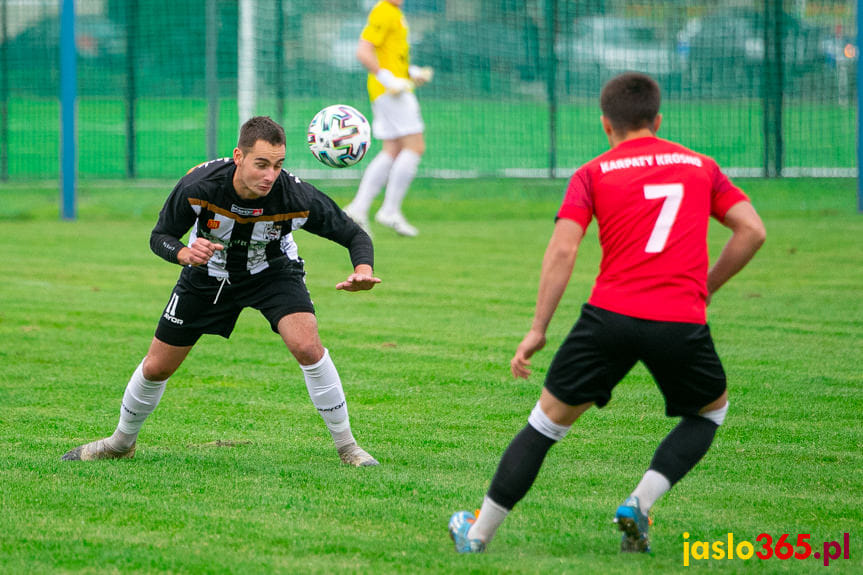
764,86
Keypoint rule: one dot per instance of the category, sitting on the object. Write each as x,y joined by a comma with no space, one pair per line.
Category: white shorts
396,116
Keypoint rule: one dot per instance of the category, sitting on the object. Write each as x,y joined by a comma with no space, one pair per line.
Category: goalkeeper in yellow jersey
383,49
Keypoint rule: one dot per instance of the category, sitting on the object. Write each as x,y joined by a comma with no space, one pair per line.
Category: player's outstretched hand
358,282
198,253
421,74
532,343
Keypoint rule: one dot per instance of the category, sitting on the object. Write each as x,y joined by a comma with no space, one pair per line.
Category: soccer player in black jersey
242,212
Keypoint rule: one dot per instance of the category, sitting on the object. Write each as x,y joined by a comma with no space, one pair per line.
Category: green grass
424,359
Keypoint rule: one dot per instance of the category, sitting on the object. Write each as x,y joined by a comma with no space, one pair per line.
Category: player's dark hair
260,128
630,101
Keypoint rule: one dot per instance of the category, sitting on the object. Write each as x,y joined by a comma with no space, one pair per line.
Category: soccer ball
339,136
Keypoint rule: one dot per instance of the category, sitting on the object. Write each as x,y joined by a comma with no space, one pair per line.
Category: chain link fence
767,87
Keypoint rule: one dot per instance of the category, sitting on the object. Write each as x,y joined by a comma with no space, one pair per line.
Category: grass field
424,359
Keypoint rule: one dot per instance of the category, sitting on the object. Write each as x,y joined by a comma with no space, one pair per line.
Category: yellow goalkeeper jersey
387,31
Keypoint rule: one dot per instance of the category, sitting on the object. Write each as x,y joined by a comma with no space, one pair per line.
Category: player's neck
616,140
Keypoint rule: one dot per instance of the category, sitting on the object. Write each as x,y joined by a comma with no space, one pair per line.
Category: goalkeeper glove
393,84
421,74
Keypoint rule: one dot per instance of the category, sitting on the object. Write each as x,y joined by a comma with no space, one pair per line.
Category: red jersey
652,200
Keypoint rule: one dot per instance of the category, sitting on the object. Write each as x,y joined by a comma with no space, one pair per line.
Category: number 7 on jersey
673,194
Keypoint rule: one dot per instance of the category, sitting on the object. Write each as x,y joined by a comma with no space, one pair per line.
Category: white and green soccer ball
339,136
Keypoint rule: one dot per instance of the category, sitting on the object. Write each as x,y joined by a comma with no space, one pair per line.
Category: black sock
519,467
683,447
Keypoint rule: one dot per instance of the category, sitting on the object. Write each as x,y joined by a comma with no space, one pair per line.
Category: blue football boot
459,524
634,525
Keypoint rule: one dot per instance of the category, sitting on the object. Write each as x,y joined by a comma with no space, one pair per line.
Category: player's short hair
260,128
630,101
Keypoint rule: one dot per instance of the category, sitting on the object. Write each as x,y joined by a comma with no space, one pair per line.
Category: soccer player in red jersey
652,200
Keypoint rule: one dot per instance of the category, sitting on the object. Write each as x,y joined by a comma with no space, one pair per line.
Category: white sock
373,181
139,401
717,416
543,424
651,487
325,389
401,176
491,515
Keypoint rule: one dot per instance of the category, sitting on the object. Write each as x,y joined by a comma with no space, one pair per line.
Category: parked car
477,58
725,49
839,50
342,41
98,40
599,47
33,55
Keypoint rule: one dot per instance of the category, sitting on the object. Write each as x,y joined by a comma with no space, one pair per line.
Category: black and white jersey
257,234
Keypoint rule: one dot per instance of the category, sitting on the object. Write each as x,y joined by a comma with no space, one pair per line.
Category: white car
599,47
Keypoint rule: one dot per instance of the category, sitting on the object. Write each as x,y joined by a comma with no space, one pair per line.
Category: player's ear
238,155
606,126
656,122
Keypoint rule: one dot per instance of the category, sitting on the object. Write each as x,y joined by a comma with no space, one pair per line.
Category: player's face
257,169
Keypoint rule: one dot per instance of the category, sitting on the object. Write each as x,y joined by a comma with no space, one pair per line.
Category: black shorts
194,308
604,346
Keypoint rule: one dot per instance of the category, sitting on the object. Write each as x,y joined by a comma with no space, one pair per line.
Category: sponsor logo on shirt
649,161
247,211
213,224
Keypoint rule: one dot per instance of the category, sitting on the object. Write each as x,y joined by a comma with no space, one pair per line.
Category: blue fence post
4,91
131,81
859,110
551,15
68,93
211,75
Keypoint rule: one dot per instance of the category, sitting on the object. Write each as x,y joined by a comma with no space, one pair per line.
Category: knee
541,422
307,353
152,370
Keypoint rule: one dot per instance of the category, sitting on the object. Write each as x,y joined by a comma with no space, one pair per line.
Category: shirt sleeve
175,219
376,28
724,194
578,201
326,219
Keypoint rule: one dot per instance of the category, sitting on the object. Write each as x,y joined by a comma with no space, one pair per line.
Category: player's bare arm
392,83
198,253
362,279
557,265
366,56
748,234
